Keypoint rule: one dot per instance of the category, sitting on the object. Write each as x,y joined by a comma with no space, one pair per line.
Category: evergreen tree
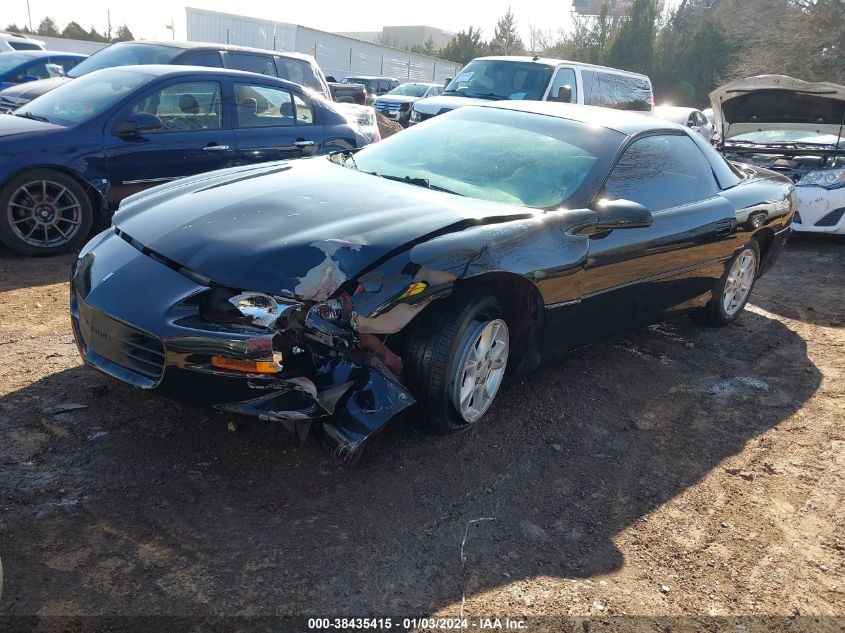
74,32
465,46
506,40
632,48
48,27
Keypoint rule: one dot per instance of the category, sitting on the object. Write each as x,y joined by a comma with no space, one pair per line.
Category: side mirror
138,122
331,79
25,78
620,214
564,94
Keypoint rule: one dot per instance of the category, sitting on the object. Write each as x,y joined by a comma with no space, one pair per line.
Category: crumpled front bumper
150,335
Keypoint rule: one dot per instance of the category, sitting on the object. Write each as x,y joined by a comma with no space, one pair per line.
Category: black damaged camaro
329,294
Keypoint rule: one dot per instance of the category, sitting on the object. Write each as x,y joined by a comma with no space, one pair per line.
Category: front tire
455,357
44,212
734,288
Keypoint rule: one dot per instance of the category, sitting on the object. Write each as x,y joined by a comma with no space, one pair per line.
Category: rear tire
734,289
44,212
456,352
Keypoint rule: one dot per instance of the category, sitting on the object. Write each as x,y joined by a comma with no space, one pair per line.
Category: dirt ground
679,470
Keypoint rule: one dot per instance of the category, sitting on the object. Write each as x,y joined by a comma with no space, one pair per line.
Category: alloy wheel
480,369
739,282
44,213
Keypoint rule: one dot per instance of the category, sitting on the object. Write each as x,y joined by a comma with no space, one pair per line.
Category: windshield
8,61
787,136
409,90
497,79
128,54
498,155
78,101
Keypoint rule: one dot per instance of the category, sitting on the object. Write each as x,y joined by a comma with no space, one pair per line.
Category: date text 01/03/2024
415,624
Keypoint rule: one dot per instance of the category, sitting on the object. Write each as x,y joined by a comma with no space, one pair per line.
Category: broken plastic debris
63,407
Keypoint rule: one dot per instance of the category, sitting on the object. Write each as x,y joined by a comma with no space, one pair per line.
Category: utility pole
29,16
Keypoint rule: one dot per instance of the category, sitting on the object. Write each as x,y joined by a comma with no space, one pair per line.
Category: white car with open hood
793,127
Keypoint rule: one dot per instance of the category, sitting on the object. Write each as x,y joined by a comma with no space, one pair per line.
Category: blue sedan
22,66
69,157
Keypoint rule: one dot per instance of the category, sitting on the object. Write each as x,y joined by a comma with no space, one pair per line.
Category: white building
338,56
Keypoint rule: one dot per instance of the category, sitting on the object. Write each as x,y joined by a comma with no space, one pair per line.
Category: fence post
227,36
382,64
315,51
274,41
350,59
434,70
409,68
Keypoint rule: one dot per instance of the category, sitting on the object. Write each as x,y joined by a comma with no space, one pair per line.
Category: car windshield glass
787,136
499,79
126,55
80,100
8,61
498,155
409,90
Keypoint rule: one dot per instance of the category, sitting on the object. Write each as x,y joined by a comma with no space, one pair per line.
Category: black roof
626,122
211,46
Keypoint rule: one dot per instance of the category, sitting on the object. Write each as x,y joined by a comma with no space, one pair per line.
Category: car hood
11,125
31,89
777,102
293,229
397,98
440,104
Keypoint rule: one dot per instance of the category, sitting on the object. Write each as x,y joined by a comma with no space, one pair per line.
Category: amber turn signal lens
414,289
251,366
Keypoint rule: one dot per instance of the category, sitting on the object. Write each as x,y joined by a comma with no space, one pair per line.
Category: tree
74,31
14,28
429,47
632,48
506,40
48,27
464,46
123,34
94,36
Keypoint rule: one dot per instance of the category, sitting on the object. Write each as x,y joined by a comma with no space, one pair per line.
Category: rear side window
261,64
661,172
299,72
65,62
203,58
622,92
24,46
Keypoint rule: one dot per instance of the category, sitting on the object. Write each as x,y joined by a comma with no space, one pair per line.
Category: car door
636,276
274,123
193,138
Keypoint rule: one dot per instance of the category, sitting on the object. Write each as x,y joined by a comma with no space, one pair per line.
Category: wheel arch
95,196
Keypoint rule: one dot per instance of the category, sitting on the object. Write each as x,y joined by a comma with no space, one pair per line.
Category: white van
10,42
539,79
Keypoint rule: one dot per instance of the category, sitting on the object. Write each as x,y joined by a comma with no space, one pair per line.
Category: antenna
839,137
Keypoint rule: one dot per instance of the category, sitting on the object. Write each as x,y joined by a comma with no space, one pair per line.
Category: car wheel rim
739,282
480,368
43,213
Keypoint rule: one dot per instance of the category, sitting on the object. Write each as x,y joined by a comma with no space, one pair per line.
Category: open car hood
294,229
777,102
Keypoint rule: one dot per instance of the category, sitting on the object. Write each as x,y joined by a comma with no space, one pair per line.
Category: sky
148,19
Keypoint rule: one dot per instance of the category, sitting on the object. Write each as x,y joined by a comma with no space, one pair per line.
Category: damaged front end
309,362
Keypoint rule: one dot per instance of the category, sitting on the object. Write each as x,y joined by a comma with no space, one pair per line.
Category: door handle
215,148
303,143
726,228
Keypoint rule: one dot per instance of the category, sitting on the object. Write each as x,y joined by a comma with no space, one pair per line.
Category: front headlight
828,178
415,116
221,305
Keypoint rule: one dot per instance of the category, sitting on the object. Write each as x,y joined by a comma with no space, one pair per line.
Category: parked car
296,67
71,155
538,79
24,66
795,128
374,86
329,294
397,103
688,117
10,42
347,93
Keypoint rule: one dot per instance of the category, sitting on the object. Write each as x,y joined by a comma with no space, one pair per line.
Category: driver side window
661,172
185,106
564,77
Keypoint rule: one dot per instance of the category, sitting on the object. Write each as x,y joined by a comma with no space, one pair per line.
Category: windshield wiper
419,182
451,92
489,95
34,117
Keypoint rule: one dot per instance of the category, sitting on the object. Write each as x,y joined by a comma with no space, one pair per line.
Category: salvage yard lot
677,470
